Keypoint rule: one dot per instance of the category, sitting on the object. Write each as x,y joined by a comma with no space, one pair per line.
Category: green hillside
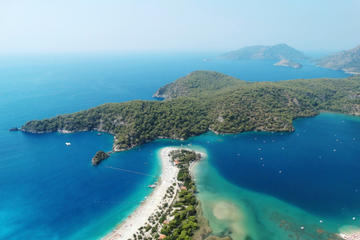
204,101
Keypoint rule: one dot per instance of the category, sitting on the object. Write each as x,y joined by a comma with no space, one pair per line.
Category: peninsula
209,101
347,61
288,63
170,211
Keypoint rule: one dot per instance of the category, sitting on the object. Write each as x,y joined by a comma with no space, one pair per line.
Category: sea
298,185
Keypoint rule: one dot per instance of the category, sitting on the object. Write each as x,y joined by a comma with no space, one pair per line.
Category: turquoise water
49,190
268,185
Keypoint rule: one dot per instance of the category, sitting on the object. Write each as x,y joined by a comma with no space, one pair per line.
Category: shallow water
242,173
50,191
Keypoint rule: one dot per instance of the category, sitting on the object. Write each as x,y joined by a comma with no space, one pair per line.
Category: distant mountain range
259,52
348,61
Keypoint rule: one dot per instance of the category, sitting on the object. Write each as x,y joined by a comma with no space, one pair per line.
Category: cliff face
348,61
275,52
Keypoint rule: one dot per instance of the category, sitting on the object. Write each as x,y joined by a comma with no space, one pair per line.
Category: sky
43,26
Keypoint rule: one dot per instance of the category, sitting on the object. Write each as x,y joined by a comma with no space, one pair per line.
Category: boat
67,144
152,186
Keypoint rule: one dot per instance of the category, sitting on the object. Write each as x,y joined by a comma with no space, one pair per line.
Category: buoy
354,218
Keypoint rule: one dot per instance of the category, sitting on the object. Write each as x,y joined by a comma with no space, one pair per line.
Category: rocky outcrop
99,157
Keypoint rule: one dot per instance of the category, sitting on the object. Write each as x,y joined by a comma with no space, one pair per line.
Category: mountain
209,101
275,52
348,61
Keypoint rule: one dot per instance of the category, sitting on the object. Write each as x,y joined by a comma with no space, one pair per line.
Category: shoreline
349,232
139,217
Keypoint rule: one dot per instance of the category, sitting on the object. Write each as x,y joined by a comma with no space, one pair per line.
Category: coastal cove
247,180
156,210
248,186
226,179
51,191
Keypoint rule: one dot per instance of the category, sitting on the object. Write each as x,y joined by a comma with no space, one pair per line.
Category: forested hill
211,101
195,83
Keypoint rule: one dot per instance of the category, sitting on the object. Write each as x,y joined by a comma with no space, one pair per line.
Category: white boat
67,144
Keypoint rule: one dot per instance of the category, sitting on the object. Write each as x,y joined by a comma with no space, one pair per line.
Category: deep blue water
316,167
50,191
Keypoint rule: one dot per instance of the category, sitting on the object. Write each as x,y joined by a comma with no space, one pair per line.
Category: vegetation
184,219
99,157
201,102
195,83
176,218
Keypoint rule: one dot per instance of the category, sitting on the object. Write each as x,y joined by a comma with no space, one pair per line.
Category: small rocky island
99,157
14,129
288,63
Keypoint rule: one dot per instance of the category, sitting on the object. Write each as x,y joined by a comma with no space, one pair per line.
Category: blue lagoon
50,191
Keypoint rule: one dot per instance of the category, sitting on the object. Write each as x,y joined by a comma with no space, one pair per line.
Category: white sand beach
140,216
350,232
